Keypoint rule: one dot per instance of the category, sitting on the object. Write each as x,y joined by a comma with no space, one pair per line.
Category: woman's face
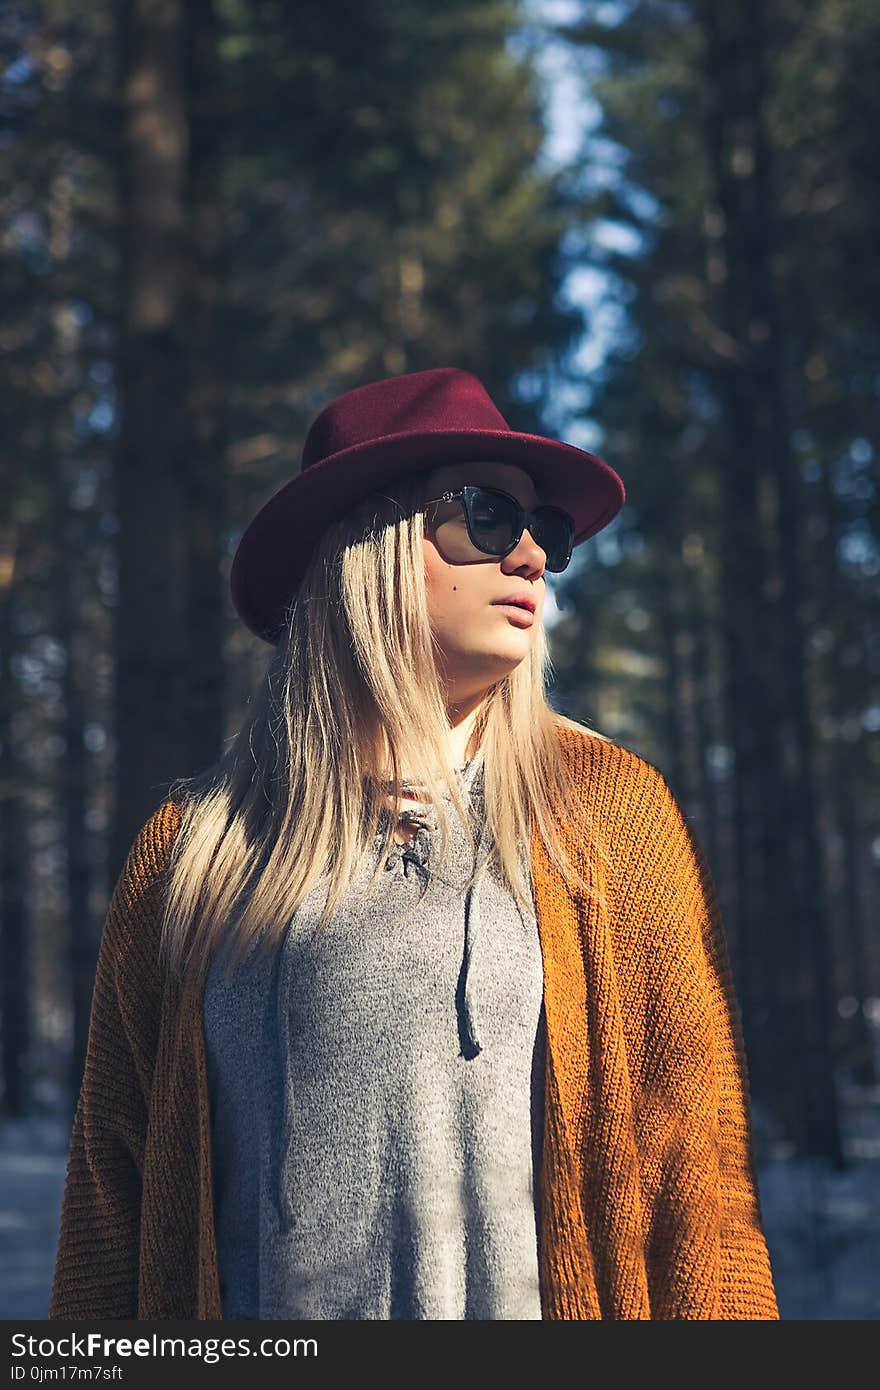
480,643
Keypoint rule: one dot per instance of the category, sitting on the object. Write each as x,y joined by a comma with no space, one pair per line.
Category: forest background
218,214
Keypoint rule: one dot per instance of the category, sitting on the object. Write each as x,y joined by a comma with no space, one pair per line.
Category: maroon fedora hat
364,439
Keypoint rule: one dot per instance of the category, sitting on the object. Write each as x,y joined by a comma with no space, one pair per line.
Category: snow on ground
33,1163
823,1227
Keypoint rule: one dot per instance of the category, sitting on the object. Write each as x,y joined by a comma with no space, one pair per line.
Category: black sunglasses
496,521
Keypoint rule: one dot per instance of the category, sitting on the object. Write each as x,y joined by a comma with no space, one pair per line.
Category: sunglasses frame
524,519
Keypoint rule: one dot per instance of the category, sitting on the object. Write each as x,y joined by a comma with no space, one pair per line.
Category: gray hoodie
375,1099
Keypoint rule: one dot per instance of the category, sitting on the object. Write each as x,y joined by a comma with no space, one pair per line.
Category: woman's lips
517,614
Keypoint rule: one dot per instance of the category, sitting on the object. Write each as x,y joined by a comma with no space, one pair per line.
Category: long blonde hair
352,698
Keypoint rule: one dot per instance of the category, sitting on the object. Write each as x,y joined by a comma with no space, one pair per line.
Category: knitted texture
649,1201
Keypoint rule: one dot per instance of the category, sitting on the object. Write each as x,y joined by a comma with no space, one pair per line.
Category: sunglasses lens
553,534
493,521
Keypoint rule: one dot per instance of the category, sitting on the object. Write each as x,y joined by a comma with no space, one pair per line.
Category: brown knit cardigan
649,1203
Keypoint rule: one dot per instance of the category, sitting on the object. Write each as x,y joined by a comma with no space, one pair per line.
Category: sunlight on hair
352,697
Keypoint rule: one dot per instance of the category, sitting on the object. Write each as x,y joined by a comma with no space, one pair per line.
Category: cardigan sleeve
97,1258
746,1289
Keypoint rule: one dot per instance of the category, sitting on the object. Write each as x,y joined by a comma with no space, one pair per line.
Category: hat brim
275,547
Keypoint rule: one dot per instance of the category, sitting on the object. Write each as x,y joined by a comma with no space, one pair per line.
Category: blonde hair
351,697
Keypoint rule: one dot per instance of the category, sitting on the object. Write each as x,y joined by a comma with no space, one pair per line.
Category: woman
417,1005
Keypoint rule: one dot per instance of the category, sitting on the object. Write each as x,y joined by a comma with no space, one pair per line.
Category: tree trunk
206,502
154,442
14,991
791,871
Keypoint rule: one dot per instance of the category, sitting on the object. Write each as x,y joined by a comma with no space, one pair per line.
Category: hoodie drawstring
286,1157
413,854
416,852
471,935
